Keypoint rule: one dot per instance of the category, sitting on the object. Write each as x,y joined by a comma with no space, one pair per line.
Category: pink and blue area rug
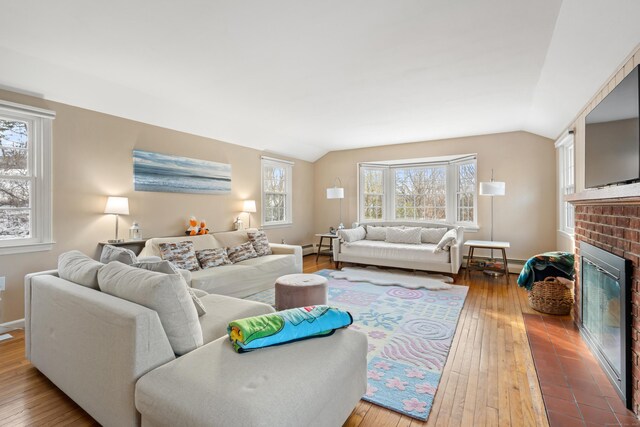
410,333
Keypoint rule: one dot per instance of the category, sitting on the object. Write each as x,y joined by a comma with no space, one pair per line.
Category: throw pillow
181,254
209,258
166,294
448,240
432,235
409,235
260,242
352,234
168,268
240,253
76,267
376,233
115,253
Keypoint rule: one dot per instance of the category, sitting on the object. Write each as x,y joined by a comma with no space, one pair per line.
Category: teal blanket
286,326
562,261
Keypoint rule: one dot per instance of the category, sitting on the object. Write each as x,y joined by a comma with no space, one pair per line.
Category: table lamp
117,206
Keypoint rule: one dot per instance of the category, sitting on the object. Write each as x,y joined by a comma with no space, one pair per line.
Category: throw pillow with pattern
209,258
260,242
240,253
181,254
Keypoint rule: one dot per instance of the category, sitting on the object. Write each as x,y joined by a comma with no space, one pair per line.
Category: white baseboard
11,326
308,249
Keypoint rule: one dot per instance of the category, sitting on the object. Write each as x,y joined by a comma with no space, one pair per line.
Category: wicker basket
551,297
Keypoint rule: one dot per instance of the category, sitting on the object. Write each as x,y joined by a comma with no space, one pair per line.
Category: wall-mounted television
612,136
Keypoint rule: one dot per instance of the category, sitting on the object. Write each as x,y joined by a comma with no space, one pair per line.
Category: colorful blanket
286,326
562,261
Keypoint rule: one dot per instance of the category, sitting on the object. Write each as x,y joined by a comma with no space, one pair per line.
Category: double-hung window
277,184
25,178
437,190
566,181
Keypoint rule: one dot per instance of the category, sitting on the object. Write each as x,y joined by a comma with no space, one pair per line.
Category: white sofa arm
296,250
456,251
93,346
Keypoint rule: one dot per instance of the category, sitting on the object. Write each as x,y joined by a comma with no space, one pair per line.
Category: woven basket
551,297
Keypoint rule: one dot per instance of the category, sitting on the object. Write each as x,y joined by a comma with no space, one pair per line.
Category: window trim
565,144
40,161
452,162
288,165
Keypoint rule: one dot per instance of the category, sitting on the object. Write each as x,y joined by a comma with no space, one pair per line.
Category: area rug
409,331
386,277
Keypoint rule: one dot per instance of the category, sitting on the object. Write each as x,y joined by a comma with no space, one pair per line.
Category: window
25,178
442,189
566,181
277,177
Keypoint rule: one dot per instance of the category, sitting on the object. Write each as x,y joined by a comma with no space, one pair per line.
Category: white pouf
300,290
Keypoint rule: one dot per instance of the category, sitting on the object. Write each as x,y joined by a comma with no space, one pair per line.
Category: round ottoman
300,290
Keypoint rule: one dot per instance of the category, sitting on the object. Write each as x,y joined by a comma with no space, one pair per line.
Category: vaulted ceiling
302,77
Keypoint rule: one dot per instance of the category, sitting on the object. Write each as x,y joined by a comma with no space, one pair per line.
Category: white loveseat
114,359
423,256
241,279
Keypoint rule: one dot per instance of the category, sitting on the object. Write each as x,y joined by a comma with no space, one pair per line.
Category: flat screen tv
612,136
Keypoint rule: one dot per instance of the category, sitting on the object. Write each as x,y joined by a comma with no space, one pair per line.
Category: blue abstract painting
175,174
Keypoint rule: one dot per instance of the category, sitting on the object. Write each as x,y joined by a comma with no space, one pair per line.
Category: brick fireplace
614,226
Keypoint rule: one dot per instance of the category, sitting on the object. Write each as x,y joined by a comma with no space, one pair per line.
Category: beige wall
525,216
92,159
578,125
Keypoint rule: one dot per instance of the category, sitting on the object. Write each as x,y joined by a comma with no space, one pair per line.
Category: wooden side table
329,251
487,244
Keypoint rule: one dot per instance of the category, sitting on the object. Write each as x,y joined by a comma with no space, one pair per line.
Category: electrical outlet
1,283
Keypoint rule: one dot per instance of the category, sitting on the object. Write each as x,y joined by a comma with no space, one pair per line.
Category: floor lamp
492,189
336,192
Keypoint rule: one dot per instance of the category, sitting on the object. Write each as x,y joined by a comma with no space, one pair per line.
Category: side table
135,245
473,265
329,251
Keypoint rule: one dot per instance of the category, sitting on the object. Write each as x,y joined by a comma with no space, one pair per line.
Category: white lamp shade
335,193
249,206
117,205
493,188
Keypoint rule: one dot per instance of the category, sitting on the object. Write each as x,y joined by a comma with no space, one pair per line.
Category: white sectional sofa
241,279
422,256
114,359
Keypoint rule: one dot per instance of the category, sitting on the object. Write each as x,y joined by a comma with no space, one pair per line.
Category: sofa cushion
260,242
204,241
241,252
410,235
245,278
209,258
76,267
221,310
181,254
447,240
376,233
352,234
432,235
424,252
229,239
167,268
164,293
116,253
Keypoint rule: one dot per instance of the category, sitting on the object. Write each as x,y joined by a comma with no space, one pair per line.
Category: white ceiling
304,77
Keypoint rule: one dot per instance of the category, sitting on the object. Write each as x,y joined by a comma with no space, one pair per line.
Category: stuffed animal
193,227
203,227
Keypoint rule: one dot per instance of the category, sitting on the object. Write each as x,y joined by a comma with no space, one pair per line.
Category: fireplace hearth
605,312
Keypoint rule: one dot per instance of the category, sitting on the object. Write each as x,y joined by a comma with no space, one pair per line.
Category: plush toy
203,227
193,227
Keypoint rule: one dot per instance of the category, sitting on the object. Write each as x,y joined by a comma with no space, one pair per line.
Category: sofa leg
337,265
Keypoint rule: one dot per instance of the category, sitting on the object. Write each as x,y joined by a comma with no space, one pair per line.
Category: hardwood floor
489,377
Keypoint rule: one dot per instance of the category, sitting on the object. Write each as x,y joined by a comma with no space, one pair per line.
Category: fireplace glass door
601,311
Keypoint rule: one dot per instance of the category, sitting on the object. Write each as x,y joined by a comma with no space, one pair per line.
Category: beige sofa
114,359
238,280
412,256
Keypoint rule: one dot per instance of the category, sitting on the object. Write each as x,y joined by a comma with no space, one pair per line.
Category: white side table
329,251
487,244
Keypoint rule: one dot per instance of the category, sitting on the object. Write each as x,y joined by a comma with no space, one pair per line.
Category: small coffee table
487,244
300,290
